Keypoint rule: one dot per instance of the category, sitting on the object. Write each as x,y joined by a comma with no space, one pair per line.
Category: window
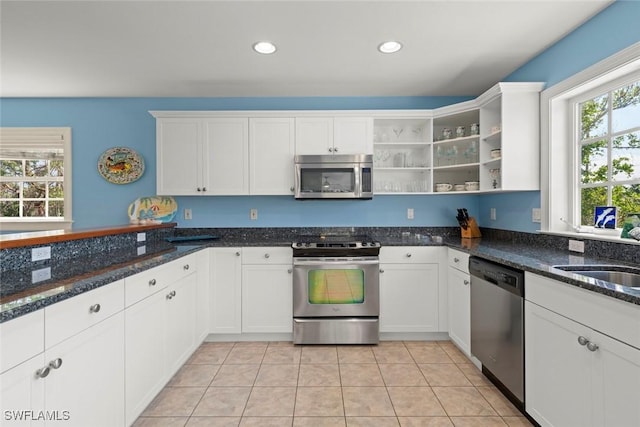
35,178
590,146
608,143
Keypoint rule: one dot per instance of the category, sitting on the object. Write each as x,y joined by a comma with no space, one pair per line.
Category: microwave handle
358,189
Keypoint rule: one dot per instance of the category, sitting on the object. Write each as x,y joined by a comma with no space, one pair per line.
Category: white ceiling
190,48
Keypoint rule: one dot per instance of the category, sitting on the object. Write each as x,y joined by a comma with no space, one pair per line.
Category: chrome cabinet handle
409,255
55,363
330,150
199,189
185,267
582,340
381,270
237,253
42,372
466,282
456,260
592,346
290,271
171,294
335,149
267,255
291,189
94,308
204,188
152,282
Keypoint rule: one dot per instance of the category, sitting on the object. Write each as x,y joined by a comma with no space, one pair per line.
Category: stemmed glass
398,132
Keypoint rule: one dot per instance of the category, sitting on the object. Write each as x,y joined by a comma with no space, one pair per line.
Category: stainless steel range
336,290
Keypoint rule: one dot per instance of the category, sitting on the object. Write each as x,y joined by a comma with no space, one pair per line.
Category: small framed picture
605,217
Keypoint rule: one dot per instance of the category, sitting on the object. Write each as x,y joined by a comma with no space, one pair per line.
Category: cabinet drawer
21,338
459,260
267,255
67,318
146,283
410,254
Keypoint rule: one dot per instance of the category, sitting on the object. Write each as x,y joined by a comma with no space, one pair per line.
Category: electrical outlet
142,249
40,275
493,214
536,215
142,237
188,214
253,214
576,246
410,213
38,254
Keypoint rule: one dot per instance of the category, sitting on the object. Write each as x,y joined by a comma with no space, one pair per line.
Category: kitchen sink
618,274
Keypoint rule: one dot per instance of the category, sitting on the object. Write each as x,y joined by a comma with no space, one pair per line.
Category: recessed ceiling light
390,47
265,48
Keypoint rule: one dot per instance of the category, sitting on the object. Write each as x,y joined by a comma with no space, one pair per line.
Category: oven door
336,287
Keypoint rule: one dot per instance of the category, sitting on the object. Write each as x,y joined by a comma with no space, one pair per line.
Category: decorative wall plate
154,209
121,165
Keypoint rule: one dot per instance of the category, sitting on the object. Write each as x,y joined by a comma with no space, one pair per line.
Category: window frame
559,152
43,135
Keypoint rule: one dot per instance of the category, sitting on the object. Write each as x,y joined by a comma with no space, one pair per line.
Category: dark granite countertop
19,295
70,277
540,260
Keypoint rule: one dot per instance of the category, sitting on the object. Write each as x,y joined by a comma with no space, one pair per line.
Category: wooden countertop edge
9,241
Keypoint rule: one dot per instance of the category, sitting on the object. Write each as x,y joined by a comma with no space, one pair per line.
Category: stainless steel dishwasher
497,325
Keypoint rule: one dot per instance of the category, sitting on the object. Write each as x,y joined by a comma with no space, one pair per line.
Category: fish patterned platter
152,210
121,165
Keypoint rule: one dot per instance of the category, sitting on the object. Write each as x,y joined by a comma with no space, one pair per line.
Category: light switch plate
536,215
40,275
576,246
188,214
253,214
142,237
493,214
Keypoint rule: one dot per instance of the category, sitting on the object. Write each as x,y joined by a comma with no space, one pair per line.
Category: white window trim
557,151
41,224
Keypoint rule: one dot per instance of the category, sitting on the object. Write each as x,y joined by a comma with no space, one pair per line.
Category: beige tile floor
265,384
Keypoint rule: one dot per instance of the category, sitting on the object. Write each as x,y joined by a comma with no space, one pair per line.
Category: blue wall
100,123
613,29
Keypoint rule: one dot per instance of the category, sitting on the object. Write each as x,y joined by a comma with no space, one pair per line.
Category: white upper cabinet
334,135
198,156
226,149
271,151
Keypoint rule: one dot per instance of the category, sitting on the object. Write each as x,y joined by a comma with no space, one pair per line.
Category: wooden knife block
472,231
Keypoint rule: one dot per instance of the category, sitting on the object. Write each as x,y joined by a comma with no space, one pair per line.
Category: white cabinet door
225,292
267,298
353,135
459,309
144,344
616,383
271,151
20,391
179,157
409,298
179,323
226,154
314,135
89,381
557,369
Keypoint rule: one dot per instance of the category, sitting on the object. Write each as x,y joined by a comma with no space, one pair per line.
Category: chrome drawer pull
237,253
582,340
42,372
409,255
289,271
186,266
94,308
55,363
592,346
267,255
456,260
152,282
381,271
466,282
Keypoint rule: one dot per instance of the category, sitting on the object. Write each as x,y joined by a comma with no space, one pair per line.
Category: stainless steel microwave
334,176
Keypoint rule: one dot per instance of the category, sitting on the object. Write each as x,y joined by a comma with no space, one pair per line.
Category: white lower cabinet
160,331
89,381
459,298
267,294
225,303
21,390
410,295
575,375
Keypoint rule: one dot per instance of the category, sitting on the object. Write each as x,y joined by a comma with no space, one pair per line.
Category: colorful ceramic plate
155,208
121,165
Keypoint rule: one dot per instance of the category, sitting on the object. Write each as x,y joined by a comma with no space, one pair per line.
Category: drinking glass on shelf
439,155
398,132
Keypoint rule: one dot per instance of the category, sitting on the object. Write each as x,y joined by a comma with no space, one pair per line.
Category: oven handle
336,261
